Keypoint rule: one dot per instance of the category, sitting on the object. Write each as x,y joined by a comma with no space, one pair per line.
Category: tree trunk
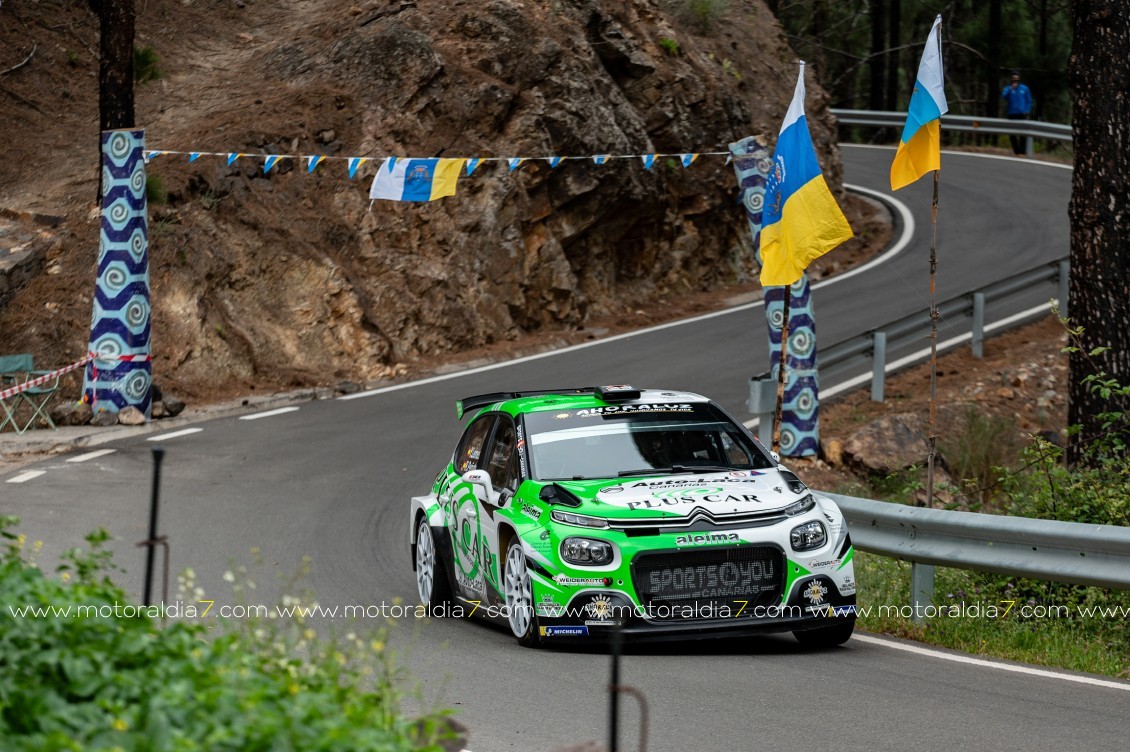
878,60
993,60
1099,295
894,41
115,68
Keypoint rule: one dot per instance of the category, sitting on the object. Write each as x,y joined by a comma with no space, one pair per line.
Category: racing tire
519,594
431,576
826,637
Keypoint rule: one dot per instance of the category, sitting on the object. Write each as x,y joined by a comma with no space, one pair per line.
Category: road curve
332,479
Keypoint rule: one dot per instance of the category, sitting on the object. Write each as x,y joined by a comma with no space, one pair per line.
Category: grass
990,615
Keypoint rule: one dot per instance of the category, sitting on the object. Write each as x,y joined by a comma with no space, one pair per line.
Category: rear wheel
431,577
519,596
826,637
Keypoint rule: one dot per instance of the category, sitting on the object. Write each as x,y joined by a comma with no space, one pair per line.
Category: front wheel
519,596
431,577
826,637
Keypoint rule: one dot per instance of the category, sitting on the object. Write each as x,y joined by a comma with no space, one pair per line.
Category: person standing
1018,103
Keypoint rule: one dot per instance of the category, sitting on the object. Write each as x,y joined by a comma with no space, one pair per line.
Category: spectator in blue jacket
1018,103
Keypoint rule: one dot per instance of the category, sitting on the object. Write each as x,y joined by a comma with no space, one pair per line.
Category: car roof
516,403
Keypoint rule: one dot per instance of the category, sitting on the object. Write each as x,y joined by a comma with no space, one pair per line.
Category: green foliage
977,451
145,65
155,191
669,45
110,681
702,15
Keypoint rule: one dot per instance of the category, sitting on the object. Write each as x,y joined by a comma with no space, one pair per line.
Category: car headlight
800,507
579,520
808,536
587,551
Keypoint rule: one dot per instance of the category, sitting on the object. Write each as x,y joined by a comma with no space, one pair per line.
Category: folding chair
16,370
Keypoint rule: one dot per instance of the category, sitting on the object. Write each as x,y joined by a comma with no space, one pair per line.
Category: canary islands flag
416,179
920,148
801,219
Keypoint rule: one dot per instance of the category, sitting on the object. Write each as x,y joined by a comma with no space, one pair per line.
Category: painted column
800,419
121,374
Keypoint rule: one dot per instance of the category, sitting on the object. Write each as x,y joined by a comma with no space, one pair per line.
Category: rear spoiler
617,393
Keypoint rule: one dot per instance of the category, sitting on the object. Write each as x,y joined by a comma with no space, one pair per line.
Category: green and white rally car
568,514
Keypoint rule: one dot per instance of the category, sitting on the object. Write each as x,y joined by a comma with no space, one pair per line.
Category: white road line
897,248
956,658
24,477
269,413
175,434
92,455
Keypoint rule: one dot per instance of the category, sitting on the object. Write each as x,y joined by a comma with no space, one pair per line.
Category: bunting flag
802,220
553,161
515,162
193,156
354,163
688,159
648,160
600,159
269,162
232,157
920,147
312,162
472,164
416,179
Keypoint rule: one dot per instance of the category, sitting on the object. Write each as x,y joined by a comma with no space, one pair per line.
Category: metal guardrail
1073,552
965,123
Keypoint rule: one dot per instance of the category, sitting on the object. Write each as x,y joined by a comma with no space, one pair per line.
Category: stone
157,410
347,387
80,415
832,450
131,416
887,445
173,406
104,418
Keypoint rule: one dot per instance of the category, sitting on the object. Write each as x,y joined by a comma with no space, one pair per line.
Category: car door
462,508
501,464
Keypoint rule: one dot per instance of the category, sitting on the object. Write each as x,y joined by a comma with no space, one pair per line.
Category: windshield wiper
677,469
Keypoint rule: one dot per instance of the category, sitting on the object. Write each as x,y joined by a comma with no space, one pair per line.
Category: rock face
887,445
292,274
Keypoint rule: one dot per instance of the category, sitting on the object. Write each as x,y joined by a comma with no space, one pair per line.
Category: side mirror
480,479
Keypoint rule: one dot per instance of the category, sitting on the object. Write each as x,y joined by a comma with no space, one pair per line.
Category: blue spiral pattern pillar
800,416
121,374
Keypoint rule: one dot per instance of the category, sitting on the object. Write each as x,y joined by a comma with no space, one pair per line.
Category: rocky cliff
287,277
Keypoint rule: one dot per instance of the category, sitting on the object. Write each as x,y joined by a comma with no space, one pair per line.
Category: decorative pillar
800,419
121,374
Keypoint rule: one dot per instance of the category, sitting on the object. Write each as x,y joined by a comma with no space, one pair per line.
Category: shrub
145,67
116,681
669,45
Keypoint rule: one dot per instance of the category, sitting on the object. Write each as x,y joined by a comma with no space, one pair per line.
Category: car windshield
608,442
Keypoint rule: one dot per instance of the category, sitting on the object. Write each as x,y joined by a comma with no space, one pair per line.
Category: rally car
568,514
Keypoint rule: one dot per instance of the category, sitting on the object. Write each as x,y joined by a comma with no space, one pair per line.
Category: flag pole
933,437
778,414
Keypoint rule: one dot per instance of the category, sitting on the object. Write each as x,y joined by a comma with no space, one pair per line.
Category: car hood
721,493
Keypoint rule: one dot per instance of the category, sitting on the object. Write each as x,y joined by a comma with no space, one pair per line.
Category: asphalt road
332,479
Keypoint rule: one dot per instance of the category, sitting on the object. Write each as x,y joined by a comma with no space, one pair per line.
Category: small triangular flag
515,162
688,159
648,161
354,163
312,162
193,156
553,161
269,162
472,164
232,157
600,158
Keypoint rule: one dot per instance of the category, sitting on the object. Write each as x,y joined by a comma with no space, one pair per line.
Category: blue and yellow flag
801,219
416,179
920,148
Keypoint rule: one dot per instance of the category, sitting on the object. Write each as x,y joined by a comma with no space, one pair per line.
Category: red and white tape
39,380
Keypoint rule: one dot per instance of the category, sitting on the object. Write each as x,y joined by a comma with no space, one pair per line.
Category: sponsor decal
576,631
522,451
705,539
743,473
599,608
562,579
713,498
561,416
551,610
824,564
730,578
815,592
531,511
621,409
470,584
847,586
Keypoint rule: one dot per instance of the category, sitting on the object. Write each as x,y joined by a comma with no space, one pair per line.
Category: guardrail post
1063,281
921,589
978,343
1029,146
878,366
763,404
